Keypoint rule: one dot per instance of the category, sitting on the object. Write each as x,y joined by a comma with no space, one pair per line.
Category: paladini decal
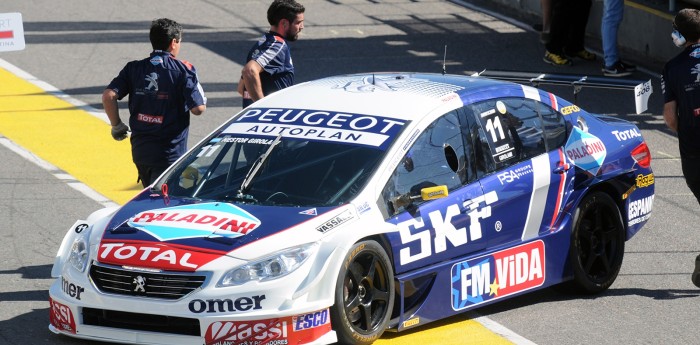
201,220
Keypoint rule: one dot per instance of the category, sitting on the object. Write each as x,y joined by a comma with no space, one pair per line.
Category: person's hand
119,131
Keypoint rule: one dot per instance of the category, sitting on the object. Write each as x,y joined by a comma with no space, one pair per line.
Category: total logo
153,255
497,275
200,220
443,228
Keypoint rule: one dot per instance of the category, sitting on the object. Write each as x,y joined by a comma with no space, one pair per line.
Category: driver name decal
367,130
201,220
497,275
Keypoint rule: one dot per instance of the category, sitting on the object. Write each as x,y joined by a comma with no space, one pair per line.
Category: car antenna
444,58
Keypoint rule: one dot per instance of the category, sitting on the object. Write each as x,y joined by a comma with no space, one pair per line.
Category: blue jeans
612,17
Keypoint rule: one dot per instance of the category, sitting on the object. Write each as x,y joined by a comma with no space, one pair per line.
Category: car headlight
79,254
271,267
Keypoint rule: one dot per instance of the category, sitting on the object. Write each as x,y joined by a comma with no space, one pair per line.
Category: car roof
398,95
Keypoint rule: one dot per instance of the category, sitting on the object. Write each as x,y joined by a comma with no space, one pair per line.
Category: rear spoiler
642,89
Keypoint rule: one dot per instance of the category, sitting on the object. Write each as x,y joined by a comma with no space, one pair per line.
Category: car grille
144,284
141,322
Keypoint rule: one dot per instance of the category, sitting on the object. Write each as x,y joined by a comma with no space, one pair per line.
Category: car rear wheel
364,296
598,243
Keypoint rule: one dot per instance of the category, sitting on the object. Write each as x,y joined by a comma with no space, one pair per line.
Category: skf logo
443,228
645,180
497,275
570,109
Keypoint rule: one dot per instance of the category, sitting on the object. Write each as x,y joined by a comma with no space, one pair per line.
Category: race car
341,208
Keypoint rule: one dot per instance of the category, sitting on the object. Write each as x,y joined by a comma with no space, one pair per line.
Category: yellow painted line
80,144
649,10
67,137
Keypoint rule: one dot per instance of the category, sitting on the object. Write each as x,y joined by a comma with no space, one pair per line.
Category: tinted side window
554,127
512,127
436,158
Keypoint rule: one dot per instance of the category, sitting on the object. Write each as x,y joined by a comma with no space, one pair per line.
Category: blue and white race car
340,208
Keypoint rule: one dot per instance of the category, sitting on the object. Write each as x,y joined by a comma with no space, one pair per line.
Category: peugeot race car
337,209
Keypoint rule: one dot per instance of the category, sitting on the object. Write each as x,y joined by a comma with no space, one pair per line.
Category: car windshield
272,171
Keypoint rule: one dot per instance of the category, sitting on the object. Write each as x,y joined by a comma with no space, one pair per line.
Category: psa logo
497,275
443,228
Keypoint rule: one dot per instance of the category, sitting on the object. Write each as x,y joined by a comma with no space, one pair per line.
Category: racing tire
597,243
364,296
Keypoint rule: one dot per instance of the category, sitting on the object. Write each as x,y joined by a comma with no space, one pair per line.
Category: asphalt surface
78,46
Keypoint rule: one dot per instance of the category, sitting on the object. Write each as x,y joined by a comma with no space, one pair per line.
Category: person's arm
241,86
671,115
198,110
109,102
251,78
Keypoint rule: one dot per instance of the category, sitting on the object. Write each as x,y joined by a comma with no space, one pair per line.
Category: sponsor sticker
336,221
585,150
201,220
298,329
497,275
153,255
61,317
639,210
366,130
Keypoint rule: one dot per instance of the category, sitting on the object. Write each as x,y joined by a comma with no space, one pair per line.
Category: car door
435,230
525,169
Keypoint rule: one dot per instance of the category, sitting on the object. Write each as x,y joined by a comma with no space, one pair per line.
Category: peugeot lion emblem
140,283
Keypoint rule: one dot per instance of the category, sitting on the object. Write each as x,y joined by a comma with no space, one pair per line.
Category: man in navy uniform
163,91
680,82
269,66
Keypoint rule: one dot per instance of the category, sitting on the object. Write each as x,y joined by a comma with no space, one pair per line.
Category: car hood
183,235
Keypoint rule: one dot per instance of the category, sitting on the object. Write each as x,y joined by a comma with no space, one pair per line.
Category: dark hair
283,9
687,22
163,31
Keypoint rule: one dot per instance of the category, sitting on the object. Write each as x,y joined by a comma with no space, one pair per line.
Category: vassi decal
585,150
201,220
498,275
319,125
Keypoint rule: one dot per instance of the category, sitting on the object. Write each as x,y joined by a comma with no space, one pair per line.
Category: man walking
269,66
162,92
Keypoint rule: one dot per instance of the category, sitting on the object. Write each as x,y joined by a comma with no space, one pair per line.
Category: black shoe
617,70
696,274
628,67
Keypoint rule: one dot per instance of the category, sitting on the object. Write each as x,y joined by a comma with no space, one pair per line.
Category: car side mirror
427,193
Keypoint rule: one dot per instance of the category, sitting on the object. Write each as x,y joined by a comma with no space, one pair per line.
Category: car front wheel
598,243
364,296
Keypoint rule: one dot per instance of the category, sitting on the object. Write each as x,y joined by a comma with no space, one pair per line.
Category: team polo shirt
272,53
161,92
681,83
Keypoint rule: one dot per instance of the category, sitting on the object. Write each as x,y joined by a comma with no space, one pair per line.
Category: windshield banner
366,130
